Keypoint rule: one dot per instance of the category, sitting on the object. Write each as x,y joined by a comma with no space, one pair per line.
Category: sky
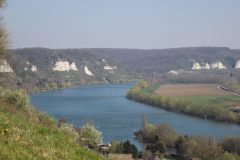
141,24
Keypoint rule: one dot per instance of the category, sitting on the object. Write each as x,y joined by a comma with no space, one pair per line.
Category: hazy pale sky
143,24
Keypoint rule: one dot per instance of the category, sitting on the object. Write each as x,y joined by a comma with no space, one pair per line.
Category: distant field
153,88
224,100
189,89
207,94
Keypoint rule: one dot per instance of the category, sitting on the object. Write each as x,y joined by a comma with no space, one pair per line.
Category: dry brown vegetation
190,89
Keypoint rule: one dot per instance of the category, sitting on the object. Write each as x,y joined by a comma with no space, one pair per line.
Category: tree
6,79
47,87
129,148
156,139
54,86
36,89
4,43
91,135
144,120
156,147
226,156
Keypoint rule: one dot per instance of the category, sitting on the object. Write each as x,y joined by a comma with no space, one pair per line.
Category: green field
153,88
218,99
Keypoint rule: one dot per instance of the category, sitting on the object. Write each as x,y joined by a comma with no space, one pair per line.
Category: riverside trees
213,111
193,146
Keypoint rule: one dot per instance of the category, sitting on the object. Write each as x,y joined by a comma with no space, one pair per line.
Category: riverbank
212,111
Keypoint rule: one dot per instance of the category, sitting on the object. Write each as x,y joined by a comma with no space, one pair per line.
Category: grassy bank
27,133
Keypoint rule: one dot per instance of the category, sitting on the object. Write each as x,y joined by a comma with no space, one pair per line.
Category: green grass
154,88
218,99
22,137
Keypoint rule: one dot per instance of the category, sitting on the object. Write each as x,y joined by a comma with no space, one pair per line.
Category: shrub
68,130
17,97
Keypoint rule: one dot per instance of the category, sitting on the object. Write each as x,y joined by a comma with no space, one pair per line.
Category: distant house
153,158
121,156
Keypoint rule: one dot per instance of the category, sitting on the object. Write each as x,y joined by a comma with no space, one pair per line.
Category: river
116,116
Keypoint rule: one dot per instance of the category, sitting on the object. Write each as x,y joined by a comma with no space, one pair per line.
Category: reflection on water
118,117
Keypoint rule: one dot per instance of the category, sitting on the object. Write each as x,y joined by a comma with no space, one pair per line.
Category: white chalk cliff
5,67
107,67
217,65
73,66
64,66
237,64
205,66
172,72
87,71
34,68
196,65
213,65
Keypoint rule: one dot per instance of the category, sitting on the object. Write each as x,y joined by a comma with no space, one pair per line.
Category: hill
165,60
27,133
42,66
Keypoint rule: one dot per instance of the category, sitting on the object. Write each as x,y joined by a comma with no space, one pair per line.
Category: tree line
213,111
193,146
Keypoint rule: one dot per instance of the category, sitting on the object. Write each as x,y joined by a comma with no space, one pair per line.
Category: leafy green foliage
17,97
91,135
156,147
129,148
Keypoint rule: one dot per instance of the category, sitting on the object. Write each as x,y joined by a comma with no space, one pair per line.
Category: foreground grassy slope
30,134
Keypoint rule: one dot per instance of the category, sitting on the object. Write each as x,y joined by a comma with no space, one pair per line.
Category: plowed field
190,89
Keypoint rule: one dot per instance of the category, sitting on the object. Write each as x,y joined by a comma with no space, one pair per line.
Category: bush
68,130
17,97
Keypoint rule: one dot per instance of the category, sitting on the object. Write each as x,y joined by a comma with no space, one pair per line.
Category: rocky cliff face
217,65
73,66
64,66
34,68
196,65
87,71
205,66
5,67
213,65
237,64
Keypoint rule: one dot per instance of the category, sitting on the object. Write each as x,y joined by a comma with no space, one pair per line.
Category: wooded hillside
164,60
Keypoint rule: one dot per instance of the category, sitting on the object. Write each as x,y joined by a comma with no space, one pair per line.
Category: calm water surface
118,117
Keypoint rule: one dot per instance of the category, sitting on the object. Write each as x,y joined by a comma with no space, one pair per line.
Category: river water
116,116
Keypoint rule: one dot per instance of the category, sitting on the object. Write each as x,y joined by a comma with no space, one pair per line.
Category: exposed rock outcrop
5,67
213,65
109,67
87,71
172,72
64,66
237,64
196,65
205,66
73,66
217,65
34,68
